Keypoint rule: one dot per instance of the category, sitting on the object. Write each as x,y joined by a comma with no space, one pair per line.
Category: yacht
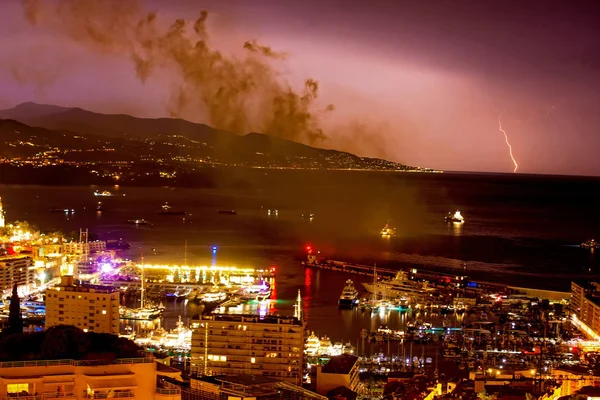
105,193
398,287
137,222
455,218
590,244
387,231
227,212
349,296
167,210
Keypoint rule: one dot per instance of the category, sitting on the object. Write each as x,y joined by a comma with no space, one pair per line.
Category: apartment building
88,307
227,344
131,378
17,269
342,370
84,248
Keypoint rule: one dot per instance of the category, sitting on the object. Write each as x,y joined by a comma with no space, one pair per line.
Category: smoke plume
237,93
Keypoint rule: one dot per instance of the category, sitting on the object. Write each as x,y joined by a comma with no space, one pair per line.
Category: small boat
349,296
99,207
62,210
309,216
388,231
227,212
117,244
105,193
167,210
137,222
590,244
455,218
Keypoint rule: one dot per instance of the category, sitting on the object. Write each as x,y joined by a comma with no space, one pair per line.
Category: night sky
420,82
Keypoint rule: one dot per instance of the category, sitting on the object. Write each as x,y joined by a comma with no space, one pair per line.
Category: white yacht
349,296
398,287
388,231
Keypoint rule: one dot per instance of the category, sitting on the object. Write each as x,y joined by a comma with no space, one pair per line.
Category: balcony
43,396
168,394
111,395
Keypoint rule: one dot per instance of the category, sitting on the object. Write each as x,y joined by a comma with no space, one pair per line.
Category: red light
273,269
308,248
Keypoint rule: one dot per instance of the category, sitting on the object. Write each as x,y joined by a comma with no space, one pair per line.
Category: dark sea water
520,230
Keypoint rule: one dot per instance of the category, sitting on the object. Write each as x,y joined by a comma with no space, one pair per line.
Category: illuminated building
131,378
16,269
585,307
226,344
2,216
84,248
88,307
342,370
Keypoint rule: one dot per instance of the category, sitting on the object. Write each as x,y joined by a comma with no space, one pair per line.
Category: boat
398,287
455,218
349,296
227,212
388,231
167,210
62,210
105,193
117,244
137,222
147,311
310,216
99,207
213,297
590,244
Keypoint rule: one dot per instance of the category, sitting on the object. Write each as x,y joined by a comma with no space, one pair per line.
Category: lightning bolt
507,143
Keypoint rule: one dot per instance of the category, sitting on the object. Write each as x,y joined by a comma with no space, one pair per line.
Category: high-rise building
585,307
88,307
16,269
2,215
248,344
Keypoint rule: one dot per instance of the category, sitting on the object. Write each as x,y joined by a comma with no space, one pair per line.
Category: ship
117,244
62,210
455,218
99,207
137,222
388,231
349,296
590,244
400,287
227,212
167,210
105,193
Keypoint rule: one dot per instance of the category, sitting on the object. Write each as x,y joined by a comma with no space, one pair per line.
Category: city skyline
417,83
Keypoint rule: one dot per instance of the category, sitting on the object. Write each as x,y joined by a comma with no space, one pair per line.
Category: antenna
298,306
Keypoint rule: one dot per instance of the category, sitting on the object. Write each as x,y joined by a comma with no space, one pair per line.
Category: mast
142,295
185,254
374,283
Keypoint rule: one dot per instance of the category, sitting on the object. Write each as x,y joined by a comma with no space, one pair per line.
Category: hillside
35,133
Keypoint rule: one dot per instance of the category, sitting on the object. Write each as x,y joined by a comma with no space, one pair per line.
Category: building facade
226,344
342,370
585,307
132,378
84,248
89,307
16,269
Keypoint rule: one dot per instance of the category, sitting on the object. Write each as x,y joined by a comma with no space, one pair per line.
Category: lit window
253,360
85,330
104,312
223,358
17,387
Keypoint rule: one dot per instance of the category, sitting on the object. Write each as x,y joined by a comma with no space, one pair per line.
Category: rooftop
341,364
268,319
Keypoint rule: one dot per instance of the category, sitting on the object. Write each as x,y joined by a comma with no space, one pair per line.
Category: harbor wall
541,293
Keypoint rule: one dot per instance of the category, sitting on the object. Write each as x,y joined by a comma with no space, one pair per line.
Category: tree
15,319
484,396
